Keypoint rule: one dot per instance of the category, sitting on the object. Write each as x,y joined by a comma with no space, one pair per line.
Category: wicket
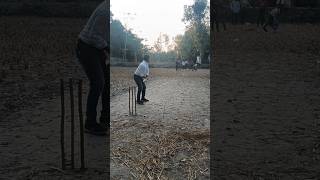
62,125
132,100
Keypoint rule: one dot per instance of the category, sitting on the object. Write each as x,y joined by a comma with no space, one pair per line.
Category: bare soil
36,54
169,136
265,105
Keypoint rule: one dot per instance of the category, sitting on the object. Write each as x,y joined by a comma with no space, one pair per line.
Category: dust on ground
36,53
169,137
265,102
40,51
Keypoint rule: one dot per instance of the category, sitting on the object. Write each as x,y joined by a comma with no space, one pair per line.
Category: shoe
95,129
144,100
265,29
140,102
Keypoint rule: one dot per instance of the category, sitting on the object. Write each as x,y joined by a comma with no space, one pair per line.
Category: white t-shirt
198,60
143,69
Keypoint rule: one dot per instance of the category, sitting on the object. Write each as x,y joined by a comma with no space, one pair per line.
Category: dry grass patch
185,154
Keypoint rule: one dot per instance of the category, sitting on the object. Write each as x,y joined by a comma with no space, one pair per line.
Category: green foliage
188,44
120,37
163,56
196,12
163,49
196,40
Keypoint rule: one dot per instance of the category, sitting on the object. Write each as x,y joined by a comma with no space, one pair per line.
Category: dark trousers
272,22
235,18
93,63
261,16
243,15
141,87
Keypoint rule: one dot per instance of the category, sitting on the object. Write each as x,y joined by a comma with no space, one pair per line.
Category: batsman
93,54
140,75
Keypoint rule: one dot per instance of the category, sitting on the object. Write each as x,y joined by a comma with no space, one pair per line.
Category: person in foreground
93,54
141,73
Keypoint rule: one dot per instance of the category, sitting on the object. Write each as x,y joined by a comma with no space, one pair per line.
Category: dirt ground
35,54
169,136
265,107
266,111
40,51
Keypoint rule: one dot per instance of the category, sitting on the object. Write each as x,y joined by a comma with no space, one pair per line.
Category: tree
119,35
162,43
196,17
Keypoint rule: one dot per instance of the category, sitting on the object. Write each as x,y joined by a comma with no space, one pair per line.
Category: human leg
139,82
143,91
89,58
105,96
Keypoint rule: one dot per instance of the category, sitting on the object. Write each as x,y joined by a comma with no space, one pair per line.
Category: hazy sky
149,18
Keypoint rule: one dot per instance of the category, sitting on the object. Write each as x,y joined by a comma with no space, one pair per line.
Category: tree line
194,42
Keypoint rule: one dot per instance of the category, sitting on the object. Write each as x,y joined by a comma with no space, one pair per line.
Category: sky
149,18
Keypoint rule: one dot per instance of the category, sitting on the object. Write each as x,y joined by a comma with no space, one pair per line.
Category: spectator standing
183,63
177,64
235,10
198,61
244,4
280,3
272,19
218,16
261,12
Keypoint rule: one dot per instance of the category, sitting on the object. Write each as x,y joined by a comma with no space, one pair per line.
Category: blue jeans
141,87
93,63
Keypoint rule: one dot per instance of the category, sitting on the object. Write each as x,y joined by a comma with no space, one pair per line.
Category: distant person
190,64
280,3
177,64
183,63
262,6
141,73
235,10
244,4
198,62
217,17
93,54
194,67
272,19
180,64
186,64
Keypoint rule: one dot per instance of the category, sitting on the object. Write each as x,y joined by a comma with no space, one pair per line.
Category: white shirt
143,69
96,31
198,60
